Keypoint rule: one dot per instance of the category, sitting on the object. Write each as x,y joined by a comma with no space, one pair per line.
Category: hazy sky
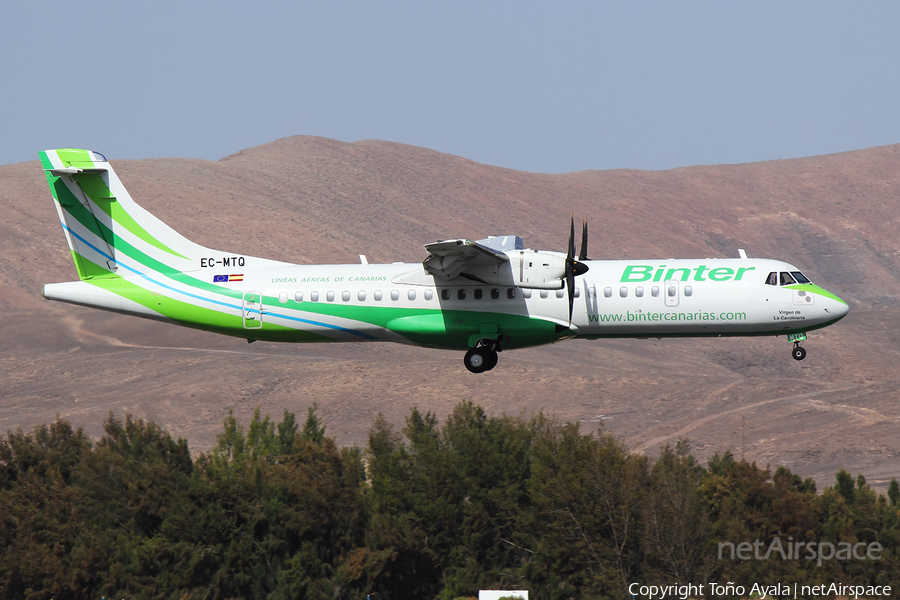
536,86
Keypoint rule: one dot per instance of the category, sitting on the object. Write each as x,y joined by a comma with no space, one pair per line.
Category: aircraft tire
477,360
492,359
798,353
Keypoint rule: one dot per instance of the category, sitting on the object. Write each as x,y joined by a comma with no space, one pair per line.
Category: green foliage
845,485
312,431
435,510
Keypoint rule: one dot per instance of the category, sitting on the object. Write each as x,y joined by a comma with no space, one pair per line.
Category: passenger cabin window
607,292
411,294
577,293
772,279
511,293
445,294
671,291
377,295
560,293
429,294
330,296
526,293
461,294
800,277
395,295
786,278
298,297
282,297
545,294
639,291
688,290
345,296
314,296
495,293
477,294
361,295
654,291
623,292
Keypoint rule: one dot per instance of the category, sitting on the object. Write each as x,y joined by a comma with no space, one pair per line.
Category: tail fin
104,226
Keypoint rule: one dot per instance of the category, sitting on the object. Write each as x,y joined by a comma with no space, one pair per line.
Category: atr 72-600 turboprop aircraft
481,297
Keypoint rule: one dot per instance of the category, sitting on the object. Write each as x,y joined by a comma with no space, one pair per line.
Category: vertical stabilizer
105,228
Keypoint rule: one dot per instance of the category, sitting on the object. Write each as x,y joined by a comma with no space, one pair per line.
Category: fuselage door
253,310
672,292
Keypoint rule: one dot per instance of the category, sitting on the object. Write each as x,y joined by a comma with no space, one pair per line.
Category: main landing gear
483,357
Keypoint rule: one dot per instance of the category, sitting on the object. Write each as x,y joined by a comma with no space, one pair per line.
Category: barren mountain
314,200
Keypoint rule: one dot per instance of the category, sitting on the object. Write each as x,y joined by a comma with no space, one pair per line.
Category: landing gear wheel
477,360
483,357
798,353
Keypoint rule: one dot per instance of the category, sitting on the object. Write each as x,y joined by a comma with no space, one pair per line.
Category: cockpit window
786,278
772,279
800,277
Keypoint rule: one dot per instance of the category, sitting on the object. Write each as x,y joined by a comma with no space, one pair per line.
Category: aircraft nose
838,309
843,308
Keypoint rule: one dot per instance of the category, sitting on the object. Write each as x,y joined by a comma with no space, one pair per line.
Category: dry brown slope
315,200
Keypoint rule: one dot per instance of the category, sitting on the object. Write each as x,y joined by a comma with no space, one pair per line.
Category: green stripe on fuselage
814,289
199,317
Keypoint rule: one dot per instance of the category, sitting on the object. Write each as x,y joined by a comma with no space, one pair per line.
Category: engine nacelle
538,269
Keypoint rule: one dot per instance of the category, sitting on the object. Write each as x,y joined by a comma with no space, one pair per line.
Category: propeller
573,267
583,254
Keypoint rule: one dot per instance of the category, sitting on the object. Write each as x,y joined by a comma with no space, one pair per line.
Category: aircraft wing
454,258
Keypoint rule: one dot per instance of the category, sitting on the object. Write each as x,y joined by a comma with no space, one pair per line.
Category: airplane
481,297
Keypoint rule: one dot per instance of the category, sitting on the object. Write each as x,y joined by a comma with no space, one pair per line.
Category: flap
451,258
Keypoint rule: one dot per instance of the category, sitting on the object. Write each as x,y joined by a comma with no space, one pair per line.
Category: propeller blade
570,269
571,256
584,241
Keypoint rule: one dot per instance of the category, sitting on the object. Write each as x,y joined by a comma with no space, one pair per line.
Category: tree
894,492
678,526
844,485
312,430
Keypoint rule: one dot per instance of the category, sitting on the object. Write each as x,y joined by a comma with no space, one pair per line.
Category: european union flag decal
227,278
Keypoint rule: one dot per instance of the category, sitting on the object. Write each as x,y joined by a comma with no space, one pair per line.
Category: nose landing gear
798,353
483,357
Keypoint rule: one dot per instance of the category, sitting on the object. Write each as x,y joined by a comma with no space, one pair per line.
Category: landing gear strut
483,357
798,352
